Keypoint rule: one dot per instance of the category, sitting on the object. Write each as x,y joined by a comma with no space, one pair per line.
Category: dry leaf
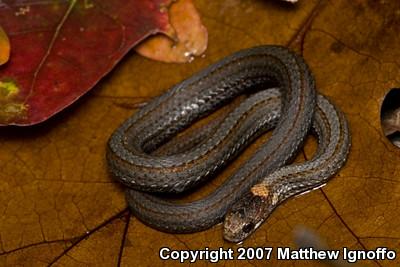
59,205
4,47
188,40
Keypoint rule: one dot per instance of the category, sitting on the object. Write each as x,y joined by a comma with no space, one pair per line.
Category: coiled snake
281,96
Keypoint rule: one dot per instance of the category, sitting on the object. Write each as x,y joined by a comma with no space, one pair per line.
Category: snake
278,93
332,132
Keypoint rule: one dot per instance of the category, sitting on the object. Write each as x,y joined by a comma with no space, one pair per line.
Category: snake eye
248,227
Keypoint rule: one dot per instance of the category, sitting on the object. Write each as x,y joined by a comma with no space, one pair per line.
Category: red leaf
61,49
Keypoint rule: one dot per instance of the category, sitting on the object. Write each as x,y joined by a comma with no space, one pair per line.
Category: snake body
331,129
132,149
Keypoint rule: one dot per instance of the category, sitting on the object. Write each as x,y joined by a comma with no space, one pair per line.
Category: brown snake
132,149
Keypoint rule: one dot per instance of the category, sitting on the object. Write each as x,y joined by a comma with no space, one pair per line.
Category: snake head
247,214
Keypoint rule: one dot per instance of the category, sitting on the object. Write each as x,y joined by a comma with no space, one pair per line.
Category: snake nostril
390,116
241,213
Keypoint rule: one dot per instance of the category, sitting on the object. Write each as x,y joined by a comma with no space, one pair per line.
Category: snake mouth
233,234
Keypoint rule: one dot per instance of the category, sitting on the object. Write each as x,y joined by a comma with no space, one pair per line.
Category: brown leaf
188,40
4,47
59,205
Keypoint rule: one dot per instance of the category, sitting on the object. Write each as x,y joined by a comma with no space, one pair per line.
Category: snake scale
279,94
